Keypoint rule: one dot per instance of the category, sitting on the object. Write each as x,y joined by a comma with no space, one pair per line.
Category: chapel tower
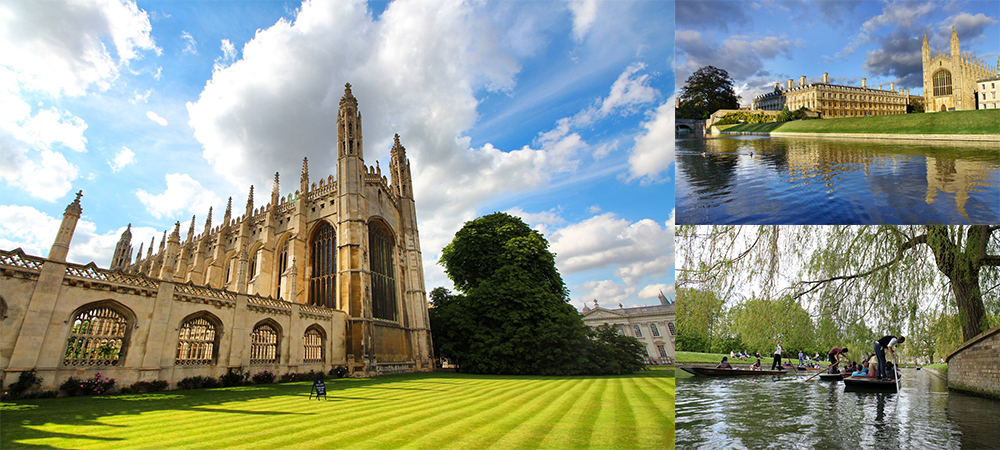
123,251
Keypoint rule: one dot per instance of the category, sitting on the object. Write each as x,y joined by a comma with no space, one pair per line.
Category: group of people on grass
836,355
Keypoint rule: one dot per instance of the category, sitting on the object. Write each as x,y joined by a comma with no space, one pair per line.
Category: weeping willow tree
879,276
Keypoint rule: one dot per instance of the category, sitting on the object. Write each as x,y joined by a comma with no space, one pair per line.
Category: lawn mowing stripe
651,422
443,425
597,432
625,437
531,431
514,393
574,429
367,425
659,394
494,421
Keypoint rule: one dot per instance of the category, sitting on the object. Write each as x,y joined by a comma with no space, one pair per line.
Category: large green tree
882,276
512,314
698,313
706,91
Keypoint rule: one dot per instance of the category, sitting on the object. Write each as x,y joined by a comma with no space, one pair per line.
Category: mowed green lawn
432,410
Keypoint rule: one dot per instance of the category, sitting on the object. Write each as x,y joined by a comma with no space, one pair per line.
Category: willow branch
910,243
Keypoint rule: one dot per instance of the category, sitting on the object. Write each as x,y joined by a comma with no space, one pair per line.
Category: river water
786,412
836,181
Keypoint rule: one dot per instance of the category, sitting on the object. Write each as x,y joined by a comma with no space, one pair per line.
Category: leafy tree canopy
706,91
512,315
882,278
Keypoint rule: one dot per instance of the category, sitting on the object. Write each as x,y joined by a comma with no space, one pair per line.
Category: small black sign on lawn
318,389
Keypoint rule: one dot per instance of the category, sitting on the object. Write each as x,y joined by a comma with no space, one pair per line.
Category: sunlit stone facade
330,275
831,100
951,82
654,326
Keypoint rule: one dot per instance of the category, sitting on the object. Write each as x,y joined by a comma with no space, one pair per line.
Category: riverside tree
512,314
706,91
875,275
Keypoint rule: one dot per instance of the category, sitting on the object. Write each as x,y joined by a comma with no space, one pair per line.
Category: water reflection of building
955,176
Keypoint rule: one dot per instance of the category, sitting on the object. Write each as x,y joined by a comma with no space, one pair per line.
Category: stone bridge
689,126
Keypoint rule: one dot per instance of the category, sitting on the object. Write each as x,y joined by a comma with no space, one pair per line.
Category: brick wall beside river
975,366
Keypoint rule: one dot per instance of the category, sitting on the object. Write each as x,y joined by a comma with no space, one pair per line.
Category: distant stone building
951,81
330,275
831,100
988,93
654,326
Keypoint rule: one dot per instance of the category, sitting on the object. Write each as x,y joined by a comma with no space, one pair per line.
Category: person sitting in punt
756,365
724,364
861,370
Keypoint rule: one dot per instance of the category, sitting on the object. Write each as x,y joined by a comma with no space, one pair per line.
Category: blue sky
560,112
767,41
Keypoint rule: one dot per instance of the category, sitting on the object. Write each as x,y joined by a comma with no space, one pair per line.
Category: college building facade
654,326
330,275
957,81
831,100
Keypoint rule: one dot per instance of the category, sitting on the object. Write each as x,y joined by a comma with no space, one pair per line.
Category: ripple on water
787,412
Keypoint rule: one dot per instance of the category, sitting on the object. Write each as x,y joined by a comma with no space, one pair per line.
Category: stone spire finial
229,212
176,234
304,179
190,235
75,208
348,96
152,243
138,256
208,222
250,202
163,241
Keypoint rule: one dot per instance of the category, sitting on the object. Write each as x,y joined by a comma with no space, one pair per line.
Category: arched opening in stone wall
323,255
198,339
99,334
264,342
380,256
313,344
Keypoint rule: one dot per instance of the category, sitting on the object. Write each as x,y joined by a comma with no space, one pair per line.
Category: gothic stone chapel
328,276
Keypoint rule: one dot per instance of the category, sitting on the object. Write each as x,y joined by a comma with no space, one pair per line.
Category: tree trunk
970,305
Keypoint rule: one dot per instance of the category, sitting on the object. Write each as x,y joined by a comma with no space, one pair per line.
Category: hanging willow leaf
850,278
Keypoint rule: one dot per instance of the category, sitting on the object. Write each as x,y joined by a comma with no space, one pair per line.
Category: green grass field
951,122
432,410
938,366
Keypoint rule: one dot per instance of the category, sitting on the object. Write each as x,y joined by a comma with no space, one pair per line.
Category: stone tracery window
313,345
942,82
638,331
99,337
282,264
196,342
380,256
654,329
264,344
323,282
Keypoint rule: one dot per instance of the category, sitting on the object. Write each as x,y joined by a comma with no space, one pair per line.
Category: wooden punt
833,376
869,384
713,372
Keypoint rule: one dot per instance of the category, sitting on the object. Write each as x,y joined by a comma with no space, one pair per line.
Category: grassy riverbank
715,358
950,122
429,410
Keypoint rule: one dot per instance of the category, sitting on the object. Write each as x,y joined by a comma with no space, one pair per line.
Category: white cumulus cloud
183,193
584,15
653,152
122,159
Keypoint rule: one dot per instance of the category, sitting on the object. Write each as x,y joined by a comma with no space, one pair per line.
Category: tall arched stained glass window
323,282
313,345
282,265
380,256
942,82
